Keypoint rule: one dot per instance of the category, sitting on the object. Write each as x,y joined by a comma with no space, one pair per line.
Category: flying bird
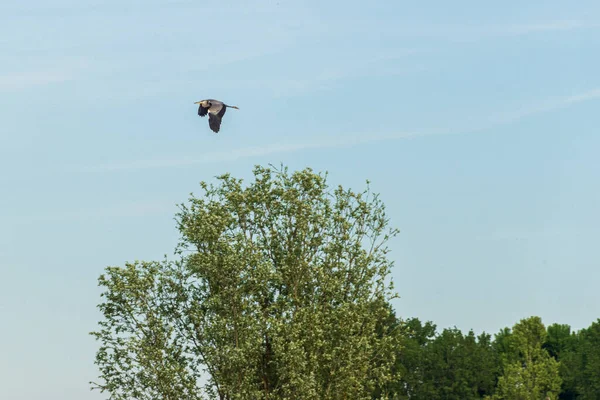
215,110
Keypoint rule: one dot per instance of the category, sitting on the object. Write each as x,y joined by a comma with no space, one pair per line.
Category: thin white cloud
552,104
552,26
123,210
63,70
247,152
345,141
486,32
463,32
589,95
25,80
536,233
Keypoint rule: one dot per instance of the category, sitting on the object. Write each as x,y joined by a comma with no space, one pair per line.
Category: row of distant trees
526,362
281,290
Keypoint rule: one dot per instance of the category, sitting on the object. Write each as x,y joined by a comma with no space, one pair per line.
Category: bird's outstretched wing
202,111
222,111
214,121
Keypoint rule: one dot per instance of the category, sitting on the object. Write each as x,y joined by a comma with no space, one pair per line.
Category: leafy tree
588,361
558,340
459,367
505,347
410,362
449,365
281,292
535,373
562,344
483,362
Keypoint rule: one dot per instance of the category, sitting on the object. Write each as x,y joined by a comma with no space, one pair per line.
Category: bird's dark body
202,111
215,110
214,120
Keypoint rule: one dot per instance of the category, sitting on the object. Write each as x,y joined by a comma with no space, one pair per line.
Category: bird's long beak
196,102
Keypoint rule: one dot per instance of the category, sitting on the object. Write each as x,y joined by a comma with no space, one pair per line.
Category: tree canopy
280,291
531,373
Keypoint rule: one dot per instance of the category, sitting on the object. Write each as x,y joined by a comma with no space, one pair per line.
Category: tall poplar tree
280,292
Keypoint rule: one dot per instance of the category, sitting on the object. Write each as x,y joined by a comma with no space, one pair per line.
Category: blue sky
477,123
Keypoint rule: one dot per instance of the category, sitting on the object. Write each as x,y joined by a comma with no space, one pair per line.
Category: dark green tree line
527,361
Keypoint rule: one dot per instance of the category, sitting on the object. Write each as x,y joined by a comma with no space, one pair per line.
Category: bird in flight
215,110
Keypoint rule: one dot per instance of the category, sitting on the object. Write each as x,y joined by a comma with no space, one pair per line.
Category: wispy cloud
247,152
123,210
551,26
346,141
537,233
328,74
474,33
589,95
64,70
18,81
551,104
504,31
465,32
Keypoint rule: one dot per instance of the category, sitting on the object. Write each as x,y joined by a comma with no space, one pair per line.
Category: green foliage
561,344
141,354
558,340
281,292
534,374
445,366
587,358
526,362
409,357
